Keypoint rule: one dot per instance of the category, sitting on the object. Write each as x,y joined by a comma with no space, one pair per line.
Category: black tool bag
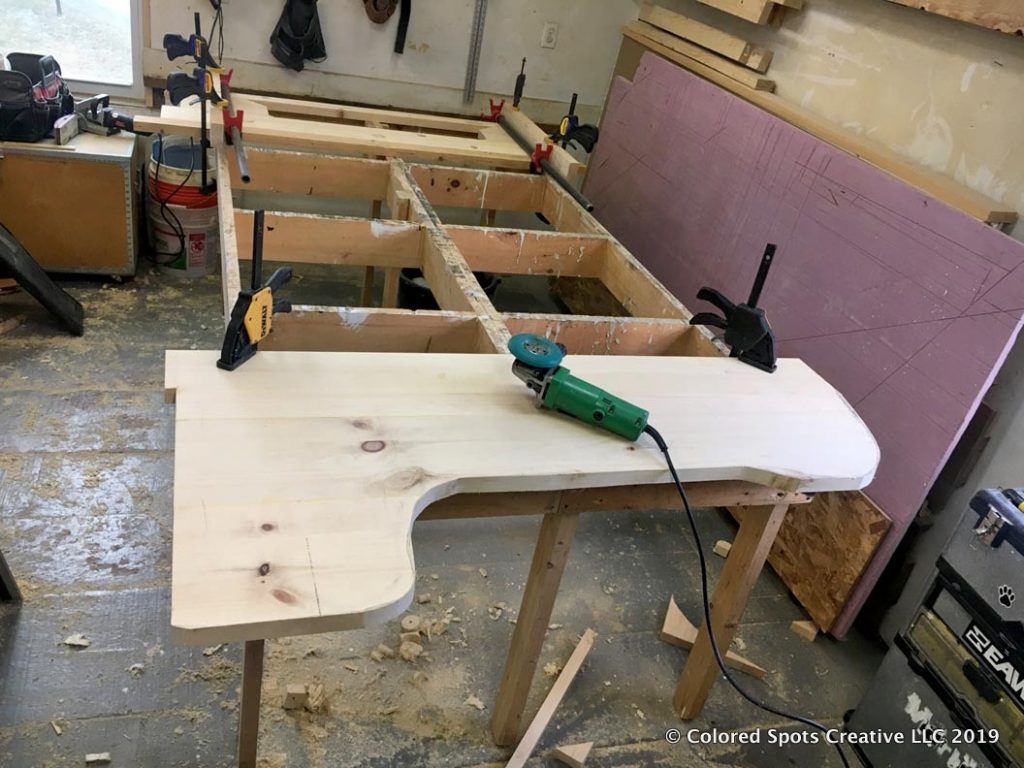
32,96
297,36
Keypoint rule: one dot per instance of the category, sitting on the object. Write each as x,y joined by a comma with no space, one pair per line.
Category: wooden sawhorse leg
249,711
746,558
549,558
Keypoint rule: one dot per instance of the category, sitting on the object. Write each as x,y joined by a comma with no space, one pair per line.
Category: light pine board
906,305
298,476
1004,15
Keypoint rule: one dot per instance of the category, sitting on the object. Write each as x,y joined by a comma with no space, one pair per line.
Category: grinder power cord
538,363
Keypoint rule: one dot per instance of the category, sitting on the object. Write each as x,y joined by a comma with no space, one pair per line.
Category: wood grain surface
298,476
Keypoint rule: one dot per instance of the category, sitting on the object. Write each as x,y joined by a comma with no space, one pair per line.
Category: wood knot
268,526
361,424
264,569
456,183
373,446
284,596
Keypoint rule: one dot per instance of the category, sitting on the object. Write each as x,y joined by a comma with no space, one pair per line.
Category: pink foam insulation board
905,305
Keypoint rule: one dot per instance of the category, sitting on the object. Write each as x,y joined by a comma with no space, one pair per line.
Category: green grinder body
575,397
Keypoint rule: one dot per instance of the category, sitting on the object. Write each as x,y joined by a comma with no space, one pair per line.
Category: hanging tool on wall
747,331
538,362
297,37
476,39
403,26
571,131
252,316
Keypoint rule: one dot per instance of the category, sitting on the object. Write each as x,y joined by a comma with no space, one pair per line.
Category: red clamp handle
225,79
495,111
540,152
232,122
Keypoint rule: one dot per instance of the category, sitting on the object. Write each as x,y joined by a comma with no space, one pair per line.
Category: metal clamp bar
549,169
233,127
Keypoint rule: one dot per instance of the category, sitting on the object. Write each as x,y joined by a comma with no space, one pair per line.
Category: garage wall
943,93
431,72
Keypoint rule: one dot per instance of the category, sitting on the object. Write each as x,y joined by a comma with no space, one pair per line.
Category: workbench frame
413,235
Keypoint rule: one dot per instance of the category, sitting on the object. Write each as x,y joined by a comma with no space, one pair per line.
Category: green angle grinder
538,363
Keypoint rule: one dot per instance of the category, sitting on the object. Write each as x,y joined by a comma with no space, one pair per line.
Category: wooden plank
249,704
311,239
329,111
551,702
619,499
679,631
231,280
822,550
736,48
583,335
523,252
463,188
561,160
938,185
549,559
298,173
572,755
306,134
335,329
749,551
339,503
756,11
636,288
682,49
1004,15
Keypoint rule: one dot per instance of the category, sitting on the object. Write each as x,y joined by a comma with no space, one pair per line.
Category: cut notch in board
718,41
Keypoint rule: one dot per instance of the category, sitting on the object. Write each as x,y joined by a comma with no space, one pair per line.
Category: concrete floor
86,462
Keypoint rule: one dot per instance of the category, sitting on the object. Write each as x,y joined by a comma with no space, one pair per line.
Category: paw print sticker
1006,596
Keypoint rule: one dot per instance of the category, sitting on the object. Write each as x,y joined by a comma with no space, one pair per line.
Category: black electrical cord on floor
663,446
177,229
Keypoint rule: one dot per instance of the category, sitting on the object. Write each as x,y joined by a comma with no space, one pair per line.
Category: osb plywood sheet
905,305
804,553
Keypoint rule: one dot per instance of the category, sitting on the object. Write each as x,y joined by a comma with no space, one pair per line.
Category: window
94,41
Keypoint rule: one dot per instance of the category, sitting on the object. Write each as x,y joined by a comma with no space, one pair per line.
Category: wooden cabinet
74,208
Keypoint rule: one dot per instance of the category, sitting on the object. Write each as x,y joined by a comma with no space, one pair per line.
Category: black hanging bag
32,96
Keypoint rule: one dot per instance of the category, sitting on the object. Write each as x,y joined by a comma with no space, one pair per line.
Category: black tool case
953,682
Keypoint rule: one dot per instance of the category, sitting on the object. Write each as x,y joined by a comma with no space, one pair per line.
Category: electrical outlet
549,37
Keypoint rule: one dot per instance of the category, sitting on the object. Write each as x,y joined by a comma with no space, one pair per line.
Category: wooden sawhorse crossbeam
765,508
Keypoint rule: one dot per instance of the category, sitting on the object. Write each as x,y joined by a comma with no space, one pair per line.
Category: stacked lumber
731,55
756,11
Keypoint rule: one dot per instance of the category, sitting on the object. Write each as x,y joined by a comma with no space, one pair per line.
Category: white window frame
134,91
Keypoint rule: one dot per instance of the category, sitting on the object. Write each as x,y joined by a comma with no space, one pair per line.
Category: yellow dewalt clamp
252,316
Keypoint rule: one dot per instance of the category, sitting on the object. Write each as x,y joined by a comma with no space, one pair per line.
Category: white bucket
191,251
180,158
183,222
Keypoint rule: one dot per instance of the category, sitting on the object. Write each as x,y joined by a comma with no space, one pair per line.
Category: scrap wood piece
656,39
529,741
10,323
756,11
679,631
806,630
572,755
97,758
732,47
722,548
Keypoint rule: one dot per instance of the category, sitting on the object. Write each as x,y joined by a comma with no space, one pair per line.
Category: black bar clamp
747,332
